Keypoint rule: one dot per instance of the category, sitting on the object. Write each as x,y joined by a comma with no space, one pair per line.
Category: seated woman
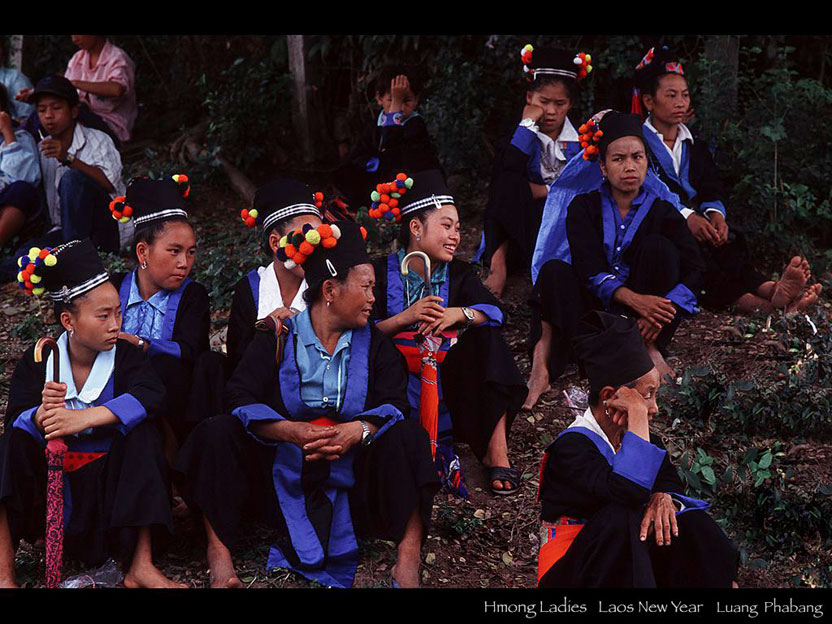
688,169
319,439
19,174
279,207
542,143
607,487
165,312
630,253
115,477
480,387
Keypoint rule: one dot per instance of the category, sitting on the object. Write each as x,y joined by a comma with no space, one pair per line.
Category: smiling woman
166,313
480,387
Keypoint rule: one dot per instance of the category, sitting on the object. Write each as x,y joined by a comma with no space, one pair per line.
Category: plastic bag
106,575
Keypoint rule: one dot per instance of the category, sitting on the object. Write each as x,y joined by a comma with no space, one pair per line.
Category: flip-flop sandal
501,473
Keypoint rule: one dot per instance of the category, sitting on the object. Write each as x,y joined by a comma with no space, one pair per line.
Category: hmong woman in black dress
279,207
631,253
686,166
542,143
115,476
613,513
320,440
480,387
164,311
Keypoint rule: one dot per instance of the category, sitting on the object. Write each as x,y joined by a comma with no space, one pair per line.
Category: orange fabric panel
556,547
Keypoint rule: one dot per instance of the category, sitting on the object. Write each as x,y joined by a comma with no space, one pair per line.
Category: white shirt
94,148
269,297
552,158
682,135
587,419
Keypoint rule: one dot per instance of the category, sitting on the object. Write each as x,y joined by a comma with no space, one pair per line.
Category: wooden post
15,52
297,66
726,50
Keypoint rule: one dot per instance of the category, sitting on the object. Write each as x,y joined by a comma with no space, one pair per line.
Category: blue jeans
85,211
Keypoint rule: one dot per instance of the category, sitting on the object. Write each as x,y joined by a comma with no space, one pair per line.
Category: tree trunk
297,66
725,49
16,52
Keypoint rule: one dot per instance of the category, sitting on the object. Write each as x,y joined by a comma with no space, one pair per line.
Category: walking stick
55,452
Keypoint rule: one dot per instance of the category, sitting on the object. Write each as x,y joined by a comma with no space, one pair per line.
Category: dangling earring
418,238
328,303
72,333
143,265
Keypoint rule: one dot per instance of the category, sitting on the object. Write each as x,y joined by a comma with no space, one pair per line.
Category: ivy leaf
708,475
765,460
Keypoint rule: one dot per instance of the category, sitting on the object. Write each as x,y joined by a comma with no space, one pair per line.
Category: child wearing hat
542,143
613,509
317,435
115,476
685,164
279,207
165,312
81,169
397,141
480,388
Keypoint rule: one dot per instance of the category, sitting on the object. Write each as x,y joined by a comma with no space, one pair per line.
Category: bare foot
791,284
659,362
8,584
538,385
149,577
809,298
734,585
222,574
406,571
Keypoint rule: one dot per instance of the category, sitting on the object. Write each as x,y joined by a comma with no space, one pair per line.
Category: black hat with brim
283,199
154,201
58,86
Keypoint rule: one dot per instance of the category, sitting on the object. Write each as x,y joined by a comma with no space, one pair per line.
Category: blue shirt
414,283
323,377
15,81
145,318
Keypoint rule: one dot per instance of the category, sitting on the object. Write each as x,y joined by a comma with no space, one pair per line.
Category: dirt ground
487,541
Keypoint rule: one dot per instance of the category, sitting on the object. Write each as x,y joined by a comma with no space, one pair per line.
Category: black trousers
729,273
111,497
480,383
227,475
560,299
513,215
608,553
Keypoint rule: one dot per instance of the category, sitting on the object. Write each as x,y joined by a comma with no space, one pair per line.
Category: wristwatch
67,162
140,343
366,436
469,314
529,123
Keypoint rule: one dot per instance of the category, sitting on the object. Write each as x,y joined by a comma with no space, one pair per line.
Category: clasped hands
431,317
54,419
329,443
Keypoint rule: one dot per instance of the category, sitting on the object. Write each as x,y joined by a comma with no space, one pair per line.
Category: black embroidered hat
616,125
63,273
151,201
347,247
428,189
541,61
282,199
656,62
611,350
56,85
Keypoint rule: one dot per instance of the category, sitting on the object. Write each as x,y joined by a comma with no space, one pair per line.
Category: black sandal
501,473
